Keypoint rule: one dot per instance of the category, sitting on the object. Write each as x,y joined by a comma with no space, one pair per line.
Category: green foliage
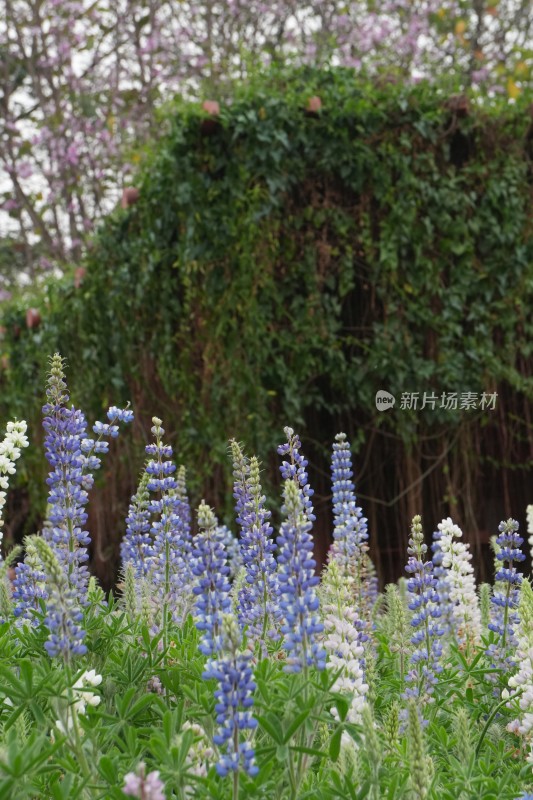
284,266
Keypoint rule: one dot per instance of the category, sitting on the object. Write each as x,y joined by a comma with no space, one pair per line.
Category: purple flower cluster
257,598
425,604
296,566
233,671
212,587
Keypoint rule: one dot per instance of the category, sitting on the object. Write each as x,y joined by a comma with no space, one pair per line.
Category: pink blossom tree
80,81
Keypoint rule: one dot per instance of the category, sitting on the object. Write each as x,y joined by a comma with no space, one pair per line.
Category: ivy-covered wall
280,267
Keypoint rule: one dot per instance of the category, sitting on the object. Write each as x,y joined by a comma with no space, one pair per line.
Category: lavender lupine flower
233,671
145,787
296,567
257,597
63,615
506,595
425,604
212,588
170,555
136,547
456,560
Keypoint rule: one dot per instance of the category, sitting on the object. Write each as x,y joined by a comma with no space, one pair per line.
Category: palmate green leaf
271,725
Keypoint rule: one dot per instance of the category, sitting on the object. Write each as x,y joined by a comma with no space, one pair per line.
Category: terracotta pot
79,275
33,318
314,104
130,196
211,107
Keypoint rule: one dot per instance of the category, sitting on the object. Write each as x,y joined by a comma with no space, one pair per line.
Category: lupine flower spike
350,533
425,605
506,595
257,605
72,459
169,555
212,588
10,449
523,679
529,516
232,669
456,558
63,615
296,566
342,640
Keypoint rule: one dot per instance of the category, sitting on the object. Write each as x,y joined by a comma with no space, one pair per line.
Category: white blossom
456,559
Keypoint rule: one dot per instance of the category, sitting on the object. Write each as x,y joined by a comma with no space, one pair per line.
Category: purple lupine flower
136,547
505,599
350,530
145,787
298,600
170,554
232,669
212,587
257,597
425,603
63,614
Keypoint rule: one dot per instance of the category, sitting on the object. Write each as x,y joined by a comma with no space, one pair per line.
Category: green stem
491,717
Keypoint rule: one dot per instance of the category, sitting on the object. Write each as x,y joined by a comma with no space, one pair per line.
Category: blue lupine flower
295,470
169,556
257,598
29,587
425,604
212,588
136,547
506,597
233,671
63,614
296,566
350,530
71,457
443,586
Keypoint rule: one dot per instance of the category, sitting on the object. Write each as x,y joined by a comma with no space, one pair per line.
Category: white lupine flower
342,641
200,756
82,698
523,679
529,514
460,579
10,449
